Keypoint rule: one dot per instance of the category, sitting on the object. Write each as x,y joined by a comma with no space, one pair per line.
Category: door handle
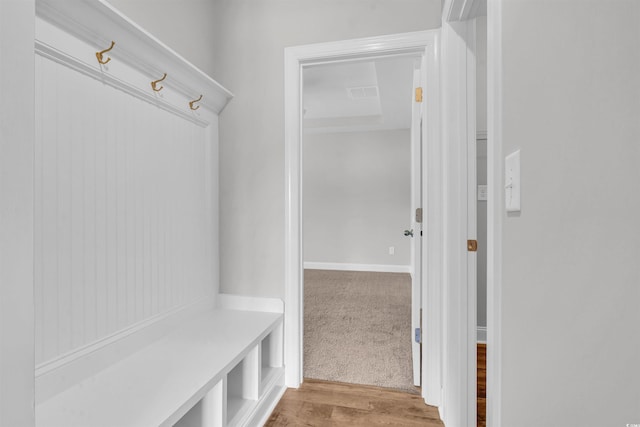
408,232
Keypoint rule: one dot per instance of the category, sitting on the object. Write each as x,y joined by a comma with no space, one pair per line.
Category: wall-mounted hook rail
100,54
154,84
193,102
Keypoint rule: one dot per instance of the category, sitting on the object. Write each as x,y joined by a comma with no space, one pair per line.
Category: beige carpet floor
357,328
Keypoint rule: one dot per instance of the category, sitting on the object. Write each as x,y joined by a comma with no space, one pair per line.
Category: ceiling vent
363,92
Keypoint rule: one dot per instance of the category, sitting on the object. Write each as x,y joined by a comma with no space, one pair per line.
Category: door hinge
419,215
418,94
418,331
472,245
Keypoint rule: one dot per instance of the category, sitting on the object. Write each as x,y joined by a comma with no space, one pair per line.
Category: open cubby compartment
208,412
271,348
193,417
242,387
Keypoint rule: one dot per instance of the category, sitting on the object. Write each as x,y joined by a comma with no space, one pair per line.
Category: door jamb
494,213
423,42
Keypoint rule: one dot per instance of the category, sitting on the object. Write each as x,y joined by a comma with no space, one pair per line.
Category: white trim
481,335
416,243
76,64
421,42
247,303
357,267
91,21
472,224
458,130
460,10
433,244
494,213
266,405
64,359
83,362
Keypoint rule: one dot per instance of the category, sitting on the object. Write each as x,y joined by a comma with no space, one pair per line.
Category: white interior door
416,226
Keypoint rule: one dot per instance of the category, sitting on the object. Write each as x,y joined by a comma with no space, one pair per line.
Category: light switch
512,182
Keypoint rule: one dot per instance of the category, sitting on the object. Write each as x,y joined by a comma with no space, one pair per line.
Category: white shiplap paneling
123,216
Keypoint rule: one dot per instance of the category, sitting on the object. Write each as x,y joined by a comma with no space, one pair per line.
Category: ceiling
360,95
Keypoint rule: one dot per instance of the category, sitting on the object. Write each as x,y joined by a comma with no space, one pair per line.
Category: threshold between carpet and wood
357,328
322,403
355,332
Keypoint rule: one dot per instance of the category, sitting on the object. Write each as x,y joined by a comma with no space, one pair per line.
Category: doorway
296,59
361,186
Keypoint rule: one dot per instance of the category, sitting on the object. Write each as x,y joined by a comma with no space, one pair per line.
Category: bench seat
159,384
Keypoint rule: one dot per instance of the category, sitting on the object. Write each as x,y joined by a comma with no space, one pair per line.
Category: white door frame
495,208
459,131
416,237
427,44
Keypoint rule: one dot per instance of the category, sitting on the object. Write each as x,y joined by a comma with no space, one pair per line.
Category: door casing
416,239
425,43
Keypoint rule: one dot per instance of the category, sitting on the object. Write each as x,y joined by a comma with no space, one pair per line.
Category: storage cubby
208,412
267,361
235,398
242,387
270,357
193,418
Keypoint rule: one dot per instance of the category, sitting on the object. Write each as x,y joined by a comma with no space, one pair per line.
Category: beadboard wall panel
125,211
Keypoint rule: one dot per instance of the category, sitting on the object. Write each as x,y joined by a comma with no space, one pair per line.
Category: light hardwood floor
325,403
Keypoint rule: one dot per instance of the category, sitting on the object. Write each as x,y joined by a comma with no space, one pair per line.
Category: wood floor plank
357,417
323,403
481,406
320,403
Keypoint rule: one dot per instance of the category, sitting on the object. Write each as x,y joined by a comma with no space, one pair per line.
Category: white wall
357,197
187,26
570,279
251,64
16,213
241,44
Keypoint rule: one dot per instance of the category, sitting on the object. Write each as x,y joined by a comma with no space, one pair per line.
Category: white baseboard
380,268
482,334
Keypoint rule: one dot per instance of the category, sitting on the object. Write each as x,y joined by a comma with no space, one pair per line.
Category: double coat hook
193,102
100,54
154,84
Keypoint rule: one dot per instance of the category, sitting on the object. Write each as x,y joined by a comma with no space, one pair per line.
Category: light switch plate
512,182
482,192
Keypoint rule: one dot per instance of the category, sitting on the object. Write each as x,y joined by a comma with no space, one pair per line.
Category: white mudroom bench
221,367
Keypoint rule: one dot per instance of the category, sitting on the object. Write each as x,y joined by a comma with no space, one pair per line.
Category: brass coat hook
193,102
154,84
102,52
